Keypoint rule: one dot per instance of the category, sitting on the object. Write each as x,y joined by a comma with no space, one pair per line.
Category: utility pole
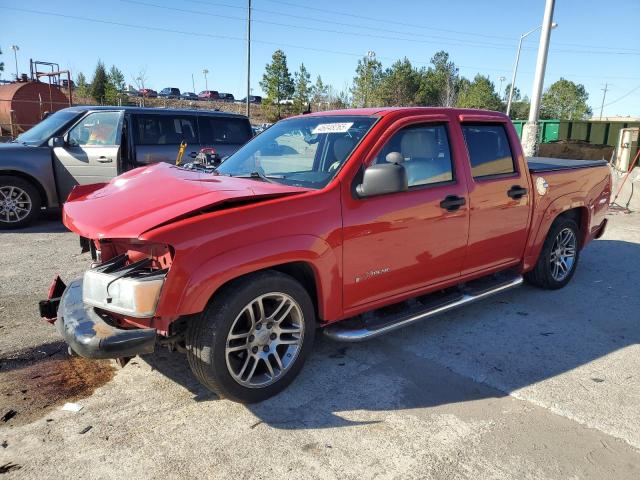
530,129
206,83
193,83
604,95
500,92
248,58
15,49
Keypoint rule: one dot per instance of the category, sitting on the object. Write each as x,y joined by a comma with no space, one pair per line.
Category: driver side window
98,128
424,152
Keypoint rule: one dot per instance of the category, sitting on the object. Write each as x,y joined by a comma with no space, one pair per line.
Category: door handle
452,203
517,191
103,159
193,154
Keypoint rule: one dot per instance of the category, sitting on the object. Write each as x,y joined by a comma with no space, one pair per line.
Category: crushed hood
147,197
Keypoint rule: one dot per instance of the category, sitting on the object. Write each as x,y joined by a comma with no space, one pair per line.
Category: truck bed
546,164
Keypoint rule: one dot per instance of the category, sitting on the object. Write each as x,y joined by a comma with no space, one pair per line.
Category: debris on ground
85,429
9,415
71,407
8,467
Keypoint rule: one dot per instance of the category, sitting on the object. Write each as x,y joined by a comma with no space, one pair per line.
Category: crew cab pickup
319,223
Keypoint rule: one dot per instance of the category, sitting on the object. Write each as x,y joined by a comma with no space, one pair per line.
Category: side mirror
382,179
56,142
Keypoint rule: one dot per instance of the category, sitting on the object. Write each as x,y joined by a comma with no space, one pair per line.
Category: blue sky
596,42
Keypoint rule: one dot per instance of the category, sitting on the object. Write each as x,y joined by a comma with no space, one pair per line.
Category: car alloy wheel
15,204
264,340
563,254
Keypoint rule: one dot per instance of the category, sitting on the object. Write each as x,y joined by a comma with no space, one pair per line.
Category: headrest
394,157
418,144
342,147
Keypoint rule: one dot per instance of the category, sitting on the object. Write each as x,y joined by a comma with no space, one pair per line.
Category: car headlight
135,296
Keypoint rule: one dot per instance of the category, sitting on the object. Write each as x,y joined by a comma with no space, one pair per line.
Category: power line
427,27
623,96
458,43
229,37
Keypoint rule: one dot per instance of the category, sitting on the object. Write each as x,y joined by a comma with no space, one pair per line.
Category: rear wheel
19,202
559,256
253,338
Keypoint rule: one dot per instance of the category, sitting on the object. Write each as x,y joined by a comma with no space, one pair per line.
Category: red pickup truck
354,221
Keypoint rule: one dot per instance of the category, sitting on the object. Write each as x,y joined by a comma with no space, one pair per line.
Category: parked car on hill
169,92
226,97
84,145
209,95
148,93
422,209
189,96
252,99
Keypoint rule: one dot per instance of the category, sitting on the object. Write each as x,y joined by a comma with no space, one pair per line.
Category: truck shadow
488,350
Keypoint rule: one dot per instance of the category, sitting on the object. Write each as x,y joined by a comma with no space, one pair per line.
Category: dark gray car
84,145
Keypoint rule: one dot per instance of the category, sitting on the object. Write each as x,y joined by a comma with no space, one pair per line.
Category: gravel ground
529,384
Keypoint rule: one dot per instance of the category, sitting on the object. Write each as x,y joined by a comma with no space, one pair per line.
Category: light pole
206,84
515,65
15,49
193,83
530,129
248,106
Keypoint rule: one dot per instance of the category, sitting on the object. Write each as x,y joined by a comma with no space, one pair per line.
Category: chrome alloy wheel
264,340
563,254
15,204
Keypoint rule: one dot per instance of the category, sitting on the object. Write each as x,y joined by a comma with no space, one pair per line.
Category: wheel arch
565,206
44,201
313,264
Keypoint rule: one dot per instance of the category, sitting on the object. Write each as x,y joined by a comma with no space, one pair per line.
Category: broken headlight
131,290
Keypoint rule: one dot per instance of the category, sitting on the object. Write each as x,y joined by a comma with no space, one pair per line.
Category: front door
402,242
498,198
91,152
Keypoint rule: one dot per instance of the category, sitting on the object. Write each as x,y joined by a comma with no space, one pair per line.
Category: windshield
41,132
305,152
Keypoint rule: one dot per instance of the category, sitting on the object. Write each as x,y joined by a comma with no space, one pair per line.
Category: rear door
225,134
157,137
91,153
498,197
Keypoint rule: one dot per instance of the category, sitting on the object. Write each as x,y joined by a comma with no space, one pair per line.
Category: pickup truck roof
385,111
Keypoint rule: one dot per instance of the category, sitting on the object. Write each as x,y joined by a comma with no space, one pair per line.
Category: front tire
253,338
19,202
559,256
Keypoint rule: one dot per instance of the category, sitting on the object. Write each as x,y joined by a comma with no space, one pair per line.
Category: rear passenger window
221,130
489,150
165,129
424,152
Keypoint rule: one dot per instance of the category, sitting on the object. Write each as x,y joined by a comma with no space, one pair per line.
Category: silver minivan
83,145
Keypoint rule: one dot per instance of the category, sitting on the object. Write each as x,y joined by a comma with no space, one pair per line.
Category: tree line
106,87
402,84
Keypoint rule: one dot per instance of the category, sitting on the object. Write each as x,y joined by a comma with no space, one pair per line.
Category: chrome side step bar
369,326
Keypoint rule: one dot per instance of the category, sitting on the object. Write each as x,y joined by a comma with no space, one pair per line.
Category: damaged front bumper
90,336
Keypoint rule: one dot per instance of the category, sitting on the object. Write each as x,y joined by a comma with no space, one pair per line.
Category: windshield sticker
332,128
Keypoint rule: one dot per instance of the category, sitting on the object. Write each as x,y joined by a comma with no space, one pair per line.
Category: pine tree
115,85
302,93
99,83
319,92
364,91
277,83
82,90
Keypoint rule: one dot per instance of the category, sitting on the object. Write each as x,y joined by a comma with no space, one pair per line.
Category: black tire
541,275
7,181
206,336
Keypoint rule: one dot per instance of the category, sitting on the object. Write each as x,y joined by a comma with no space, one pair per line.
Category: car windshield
41,132
306,151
